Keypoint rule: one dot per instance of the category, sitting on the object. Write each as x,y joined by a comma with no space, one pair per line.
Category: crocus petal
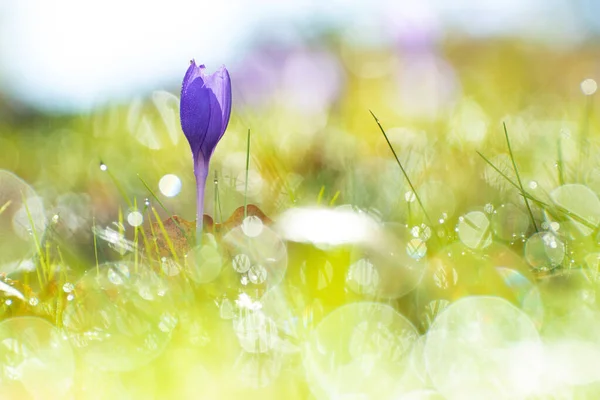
194,113
194,71
215,129
220,84
205,108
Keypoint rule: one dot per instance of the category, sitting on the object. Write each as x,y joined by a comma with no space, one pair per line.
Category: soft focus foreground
339,280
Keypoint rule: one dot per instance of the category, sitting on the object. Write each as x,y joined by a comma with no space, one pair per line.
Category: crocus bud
204,111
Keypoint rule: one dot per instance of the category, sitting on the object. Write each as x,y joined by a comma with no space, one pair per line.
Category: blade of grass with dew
145,237
540,203
117,184
247,173
95,245
418,198
153,233
135,240
160,203
38,244
560,163
166,236
121,225
62,281
49,271
514,163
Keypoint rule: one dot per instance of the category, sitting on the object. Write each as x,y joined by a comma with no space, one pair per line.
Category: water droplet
147,202
416,249
170,185
257,274
70,297
68,287
589,86
415,231
8,302
103,167
244,280
167,322
55,218
226,309
118,273
533,185
252,226
544,251
135,218
488,208
241,263
425,232
474,230
410,196
33,301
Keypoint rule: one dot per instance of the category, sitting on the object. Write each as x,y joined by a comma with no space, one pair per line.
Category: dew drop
533,185
135,218
241,263
257,274
252,226
170,185
68,287
416,249
488,208
34,301
589,86
103,167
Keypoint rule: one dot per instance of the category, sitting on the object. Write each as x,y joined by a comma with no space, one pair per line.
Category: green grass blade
247,172
514,163
417,197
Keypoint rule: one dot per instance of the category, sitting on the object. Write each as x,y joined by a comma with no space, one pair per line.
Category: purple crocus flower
204,111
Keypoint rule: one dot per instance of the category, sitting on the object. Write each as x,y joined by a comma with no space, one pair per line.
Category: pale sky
69,55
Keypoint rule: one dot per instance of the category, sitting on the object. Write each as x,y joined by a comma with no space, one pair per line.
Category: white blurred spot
589,86
241,263
252,226
473,230
170,185
416,248
135,218
480,347
326,226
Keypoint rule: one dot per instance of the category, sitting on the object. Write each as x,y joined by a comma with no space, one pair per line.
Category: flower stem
201,173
